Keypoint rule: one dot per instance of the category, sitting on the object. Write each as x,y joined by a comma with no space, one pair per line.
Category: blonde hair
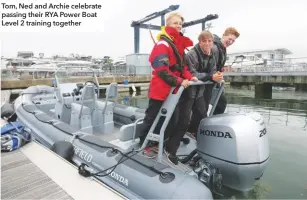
171,15
231,31
205,35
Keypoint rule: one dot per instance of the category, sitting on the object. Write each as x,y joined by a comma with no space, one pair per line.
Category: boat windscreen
74,74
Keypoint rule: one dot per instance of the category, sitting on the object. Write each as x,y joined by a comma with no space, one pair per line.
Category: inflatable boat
101,137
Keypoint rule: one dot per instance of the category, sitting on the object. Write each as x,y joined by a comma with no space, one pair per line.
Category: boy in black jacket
220,54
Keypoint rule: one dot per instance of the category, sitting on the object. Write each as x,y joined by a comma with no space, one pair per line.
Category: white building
270,54
257,59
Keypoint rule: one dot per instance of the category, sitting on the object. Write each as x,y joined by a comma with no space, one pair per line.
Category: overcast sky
263,24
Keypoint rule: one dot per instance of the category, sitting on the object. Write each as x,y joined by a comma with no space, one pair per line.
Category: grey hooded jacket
203,67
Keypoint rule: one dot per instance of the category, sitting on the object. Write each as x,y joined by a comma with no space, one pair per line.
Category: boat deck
34,172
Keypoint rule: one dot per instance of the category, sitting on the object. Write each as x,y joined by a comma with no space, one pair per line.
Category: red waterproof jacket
167,72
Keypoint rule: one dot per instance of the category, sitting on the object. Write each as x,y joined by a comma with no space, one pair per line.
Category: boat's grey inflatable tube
129,178
127,114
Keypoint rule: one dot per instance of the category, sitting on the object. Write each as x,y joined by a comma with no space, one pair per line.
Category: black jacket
219,52
202,66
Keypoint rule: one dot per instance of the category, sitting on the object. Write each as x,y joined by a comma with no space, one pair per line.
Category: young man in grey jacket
201,64
219,51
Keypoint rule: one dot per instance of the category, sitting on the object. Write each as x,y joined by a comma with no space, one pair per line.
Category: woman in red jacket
169,70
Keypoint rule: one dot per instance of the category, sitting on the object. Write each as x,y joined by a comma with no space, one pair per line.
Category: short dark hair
205,35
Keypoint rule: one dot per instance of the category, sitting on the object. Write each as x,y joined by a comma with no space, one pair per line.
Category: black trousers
184,113
200,108
176,128
150,116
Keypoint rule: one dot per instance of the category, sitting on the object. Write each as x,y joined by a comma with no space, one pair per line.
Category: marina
80,119
133,85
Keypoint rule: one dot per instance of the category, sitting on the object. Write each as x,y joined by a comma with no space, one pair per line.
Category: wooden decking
22,179
34,172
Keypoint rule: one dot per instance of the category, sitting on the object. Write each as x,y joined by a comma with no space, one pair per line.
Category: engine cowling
238,145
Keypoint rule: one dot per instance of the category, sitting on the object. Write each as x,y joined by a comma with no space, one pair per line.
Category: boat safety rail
216,96
166,111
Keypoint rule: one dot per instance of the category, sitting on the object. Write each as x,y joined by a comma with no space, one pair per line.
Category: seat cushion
76,108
